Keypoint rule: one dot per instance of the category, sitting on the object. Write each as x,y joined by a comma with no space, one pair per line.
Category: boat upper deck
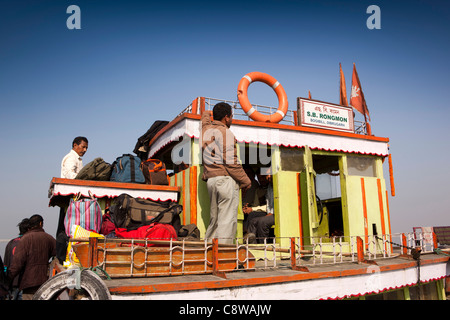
286,133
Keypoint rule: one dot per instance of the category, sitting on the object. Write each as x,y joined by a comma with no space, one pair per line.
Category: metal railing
210,256
360,127
238,113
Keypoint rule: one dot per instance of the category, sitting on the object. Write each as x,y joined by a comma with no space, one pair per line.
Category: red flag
357,100
342,90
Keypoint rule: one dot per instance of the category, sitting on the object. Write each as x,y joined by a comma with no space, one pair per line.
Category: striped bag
85,213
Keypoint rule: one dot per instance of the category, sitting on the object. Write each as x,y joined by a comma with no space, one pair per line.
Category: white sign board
326,116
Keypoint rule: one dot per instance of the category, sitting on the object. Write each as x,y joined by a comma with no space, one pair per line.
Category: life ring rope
249,110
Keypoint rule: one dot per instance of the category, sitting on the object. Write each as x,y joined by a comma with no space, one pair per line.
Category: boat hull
321,282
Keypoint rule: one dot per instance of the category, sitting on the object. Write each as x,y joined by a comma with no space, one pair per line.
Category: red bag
154,231
107,225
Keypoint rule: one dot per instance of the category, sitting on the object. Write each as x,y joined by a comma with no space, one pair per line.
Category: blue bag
127,168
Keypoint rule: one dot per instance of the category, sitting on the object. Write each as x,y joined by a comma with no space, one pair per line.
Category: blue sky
134,62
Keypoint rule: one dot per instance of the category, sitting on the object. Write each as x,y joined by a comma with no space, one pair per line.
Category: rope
415,254
439,251
96,271
398,245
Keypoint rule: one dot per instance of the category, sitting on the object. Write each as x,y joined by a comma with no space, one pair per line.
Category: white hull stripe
314,289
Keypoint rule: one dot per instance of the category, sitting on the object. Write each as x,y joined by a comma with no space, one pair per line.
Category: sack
107,224
77,232
97,170
155,231
189,232
154,171
85,213
142,145
127,169
132,213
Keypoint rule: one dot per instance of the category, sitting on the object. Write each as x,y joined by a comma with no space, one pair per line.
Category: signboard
325,115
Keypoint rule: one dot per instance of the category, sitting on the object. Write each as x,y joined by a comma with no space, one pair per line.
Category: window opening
361,166
255,155
328,192
292,159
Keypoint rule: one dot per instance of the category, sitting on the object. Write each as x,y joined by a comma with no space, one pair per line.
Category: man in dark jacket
3,282
31,258
10,249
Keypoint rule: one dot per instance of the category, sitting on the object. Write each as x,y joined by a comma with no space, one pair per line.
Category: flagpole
368,129
342,88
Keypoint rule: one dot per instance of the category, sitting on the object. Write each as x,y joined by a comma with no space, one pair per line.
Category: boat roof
61,188
287,135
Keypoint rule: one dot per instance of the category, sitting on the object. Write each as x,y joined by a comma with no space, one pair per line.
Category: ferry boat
332,235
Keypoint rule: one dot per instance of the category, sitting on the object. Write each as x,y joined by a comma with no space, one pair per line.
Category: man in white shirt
70,166
72,162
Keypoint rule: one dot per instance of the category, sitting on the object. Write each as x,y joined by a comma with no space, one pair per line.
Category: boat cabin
327,175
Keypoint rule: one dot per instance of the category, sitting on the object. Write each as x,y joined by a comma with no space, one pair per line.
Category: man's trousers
224,201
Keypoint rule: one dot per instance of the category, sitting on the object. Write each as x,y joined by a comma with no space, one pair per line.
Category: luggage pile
139,218
125,214
129,168
126,168
127,218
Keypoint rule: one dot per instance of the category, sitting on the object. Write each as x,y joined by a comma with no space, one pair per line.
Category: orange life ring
276,86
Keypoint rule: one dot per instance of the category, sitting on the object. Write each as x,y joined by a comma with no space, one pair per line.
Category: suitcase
154,171
132,213
127,169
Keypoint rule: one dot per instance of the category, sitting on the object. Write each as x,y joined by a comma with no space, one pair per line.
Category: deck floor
282,273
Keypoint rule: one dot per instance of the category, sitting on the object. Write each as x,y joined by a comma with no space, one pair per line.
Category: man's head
223,112
264,176
80,145
36,221
24,226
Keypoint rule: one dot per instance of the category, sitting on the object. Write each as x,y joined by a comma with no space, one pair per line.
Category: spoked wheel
85,281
